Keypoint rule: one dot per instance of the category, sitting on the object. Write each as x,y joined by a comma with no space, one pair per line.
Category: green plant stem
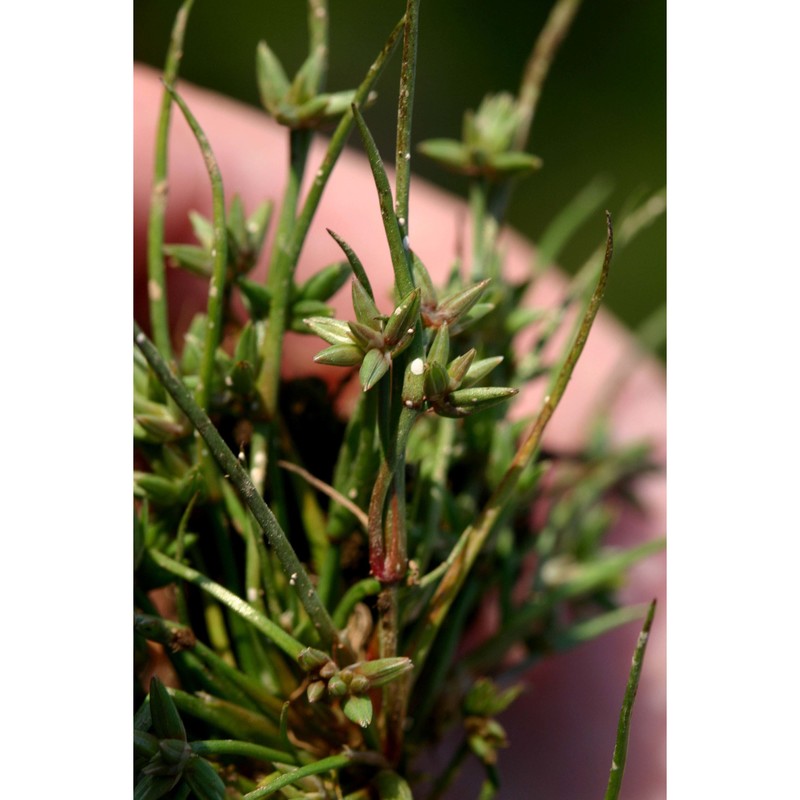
231,467
270,374
478,203
274,632
623,727
442,456
398,243
323,765
472,539
156,281
216,287
237,721
318,34
233,747
538,65
542,55
405,106
367,587
281,272
387,559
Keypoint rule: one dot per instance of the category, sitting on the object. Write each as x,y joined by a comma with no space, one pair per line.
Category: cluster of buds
298,103
373,340
485,149
450,385
350,684
484,701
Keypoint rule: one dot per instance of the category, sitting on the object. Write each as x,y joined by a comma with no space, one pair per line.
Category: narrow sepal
333,331
340,355
374,366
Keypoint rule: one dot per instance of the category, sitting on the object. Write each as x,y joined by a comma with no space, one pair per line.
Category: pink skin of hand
574,698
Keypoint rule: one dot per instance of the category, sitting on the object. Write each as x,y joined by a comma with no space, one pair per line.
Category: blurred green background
602,113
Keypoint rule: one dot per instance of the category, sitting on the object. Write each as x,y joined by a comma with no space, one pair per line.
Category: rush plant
315,629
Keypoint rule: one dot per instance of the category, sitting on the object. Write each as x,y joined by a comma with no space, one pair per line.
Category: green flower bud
366,336
340,355
315,691
437,381
337,687
358,709
457,305
273,84
167,723
458,368
311,659
382,670
403,319
464,402
439,350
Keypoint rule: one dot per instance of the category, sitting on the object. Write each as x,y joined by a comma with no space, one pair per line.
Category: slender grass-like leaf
156,284
471,541
230,465
216,287
329,764
624,725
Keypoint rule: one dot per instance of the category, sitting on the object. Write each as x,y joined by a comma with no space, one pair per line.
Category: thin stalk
398,242
156,277
220,253
274,632
472,539
231,467
623,728
180,599
281,272
542,55
237,721
232,747
478,206
405,105
270,375
367,587
318,767
387,558
442,455
318,34
544,50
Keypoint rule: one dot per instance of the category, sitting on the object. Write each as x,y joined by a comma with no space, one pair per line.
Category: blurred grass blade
231,467
623,727
220,253
317,768
156,283
589,200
